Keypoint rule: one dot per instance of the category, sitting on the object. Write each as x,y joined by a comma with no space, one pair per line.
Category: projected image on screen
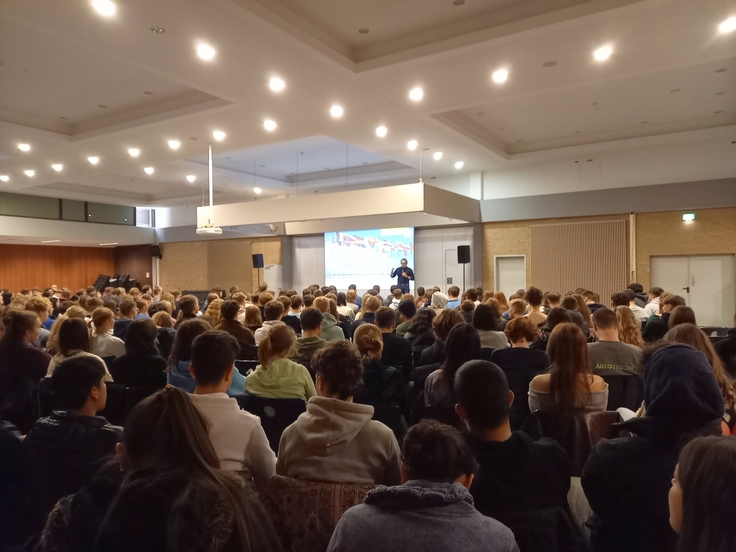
367,257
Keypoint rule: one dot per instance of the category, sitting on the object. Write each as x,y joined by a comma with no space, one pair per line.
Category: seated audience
15,502
253,319
311,340
453,297
66,449
229,324
517,477
212,314
652,306
420,334
278,377
573,309
188,309
343,308
656,328
569,385
627,479
382,383
463,344
74,342
336,440
330,330
432,510
173,496
555,317
21,367
407,311
445,320
289,318
43,308
591,300
438,300
367,313
102,343
703,488
639,312
608,352
165,332
726,349
517,307
486,319
534,299
272,312
141,364
621,299
127,311
521,365
396,296
396,349
629,328
682,315
639,295
239,441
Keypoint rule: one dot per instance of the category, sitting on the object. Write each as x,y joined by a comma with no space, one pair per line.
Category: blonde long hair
629,329
279,342
369,341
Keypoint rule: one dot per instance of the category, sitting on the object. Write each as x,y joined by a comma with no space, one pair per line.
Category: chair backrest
244,366
715,331
305,513
444,414
391,416
485,353
275,414
577,431
624,390
551,530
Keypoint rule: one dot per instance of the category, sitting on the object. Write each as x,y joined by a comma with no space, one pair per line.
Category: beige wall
713,232
199,265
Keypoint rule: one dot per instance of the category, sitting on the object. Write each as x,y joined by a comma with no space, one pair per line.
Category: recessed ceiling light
104,7
336,111
148,170
437,155
57,167
191,178
500,76
4,177
269,125
459,164
364,31
174,144
134,152
257,190
416,94
276,84
218,135
205,51
158,30
412,144
93,160
603,53
728,26
549,64
24,147
381,131
29,172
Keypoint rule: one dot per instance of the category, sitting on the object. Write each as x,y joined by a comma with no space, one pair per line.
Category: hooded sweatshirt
180,377
281,379
305,348
336,441
330,330
439,300
239,441
420,516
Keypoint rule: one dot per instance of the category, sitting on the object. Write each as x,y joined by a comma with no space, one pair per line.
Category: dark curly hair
534,296
340,366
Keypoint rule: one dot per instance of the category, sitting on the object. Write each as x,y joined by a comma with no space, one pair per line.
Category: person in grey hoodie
432,510
336,440
330,330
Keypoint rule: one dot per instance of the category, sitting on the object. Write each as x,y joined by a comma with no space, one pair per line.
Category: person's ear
94,394
511,397
465,480
122,457
404,474
461,411
191,371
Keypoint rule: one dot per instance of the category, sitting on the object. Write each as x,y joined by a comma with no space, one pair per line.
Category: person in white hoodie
239,441
652,307
336,440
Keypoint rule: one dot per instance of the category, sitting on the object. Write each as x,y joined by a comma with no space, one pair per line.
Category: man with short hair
330,330
658,327
608,354
311,340
66,449
621,299
239,441
128,311
395,299
396,350
407,313
519,481
640,297
591,300
453,294
652,306
432,510
403,276
272,313
639,312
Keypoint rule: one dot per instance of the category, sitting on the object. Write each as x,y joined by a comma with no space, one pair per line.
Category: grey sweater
420,516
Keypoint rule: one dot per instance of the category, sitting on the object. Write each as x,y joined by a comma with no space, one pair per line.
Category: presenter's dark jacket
400,280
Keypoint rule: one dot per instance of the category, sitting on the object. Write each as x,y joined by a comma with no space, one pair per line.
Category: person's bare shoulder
540,383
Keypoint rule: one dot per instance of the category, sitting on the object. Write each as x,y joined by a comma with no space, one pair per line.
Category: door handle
687,289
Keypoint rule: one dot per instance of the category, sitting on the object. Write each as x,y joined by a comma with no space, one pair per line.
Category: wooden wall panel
183,266
27,266
135,260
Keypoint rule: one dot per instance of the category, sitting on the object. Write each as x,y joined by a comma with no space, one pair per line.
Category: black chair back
275,414
47,400
444,414
551,529
624,390
485,353
115,411
391,416
245,366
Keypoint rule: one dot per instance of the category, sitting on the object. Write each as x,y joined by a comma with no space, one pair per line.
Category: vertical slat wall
591,255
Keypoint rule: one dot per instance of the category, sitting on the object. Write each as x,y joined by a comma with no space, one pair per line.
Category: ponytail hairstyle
279,340
17,323
368,339
166,437
99,317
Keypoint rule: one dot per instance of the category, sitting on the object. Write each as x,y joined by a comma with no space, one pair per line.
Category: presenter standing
403,276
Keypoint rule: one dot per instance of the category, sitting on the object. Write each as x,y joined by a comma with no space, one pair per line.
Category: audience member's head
520,330
568,355
629,327
655,292
671,302
371,303
439,300
141,335
253,317
517,307
534,297
463,344
453,292
339,370
188,305
103,320
273,310
385,319
486,318
605,324
213,359
322,304
79,385
407,310
444,322
682,315
368,339
483,396
181,350
622,298
41,306
21,328
553,299
277,344
311,321
73,337
568,302
127,309
229,310
438,453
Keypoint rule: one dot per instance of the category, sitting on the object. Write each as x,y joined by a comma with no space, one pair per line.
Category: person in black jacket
627,480
396,349
141,363
14,503
656,328
66,449
520,482
442,324
420,334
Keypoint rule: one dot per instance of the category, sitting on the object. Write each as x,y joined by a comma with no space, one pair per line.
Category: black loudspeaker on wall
258,260
156,251
463,254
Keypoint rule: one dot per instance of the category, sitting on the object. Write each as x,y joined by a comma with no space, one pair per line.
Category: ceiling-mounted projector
209,230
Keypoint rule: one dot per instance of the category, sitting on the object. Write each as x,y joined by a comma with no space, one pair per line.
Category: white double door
705,281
